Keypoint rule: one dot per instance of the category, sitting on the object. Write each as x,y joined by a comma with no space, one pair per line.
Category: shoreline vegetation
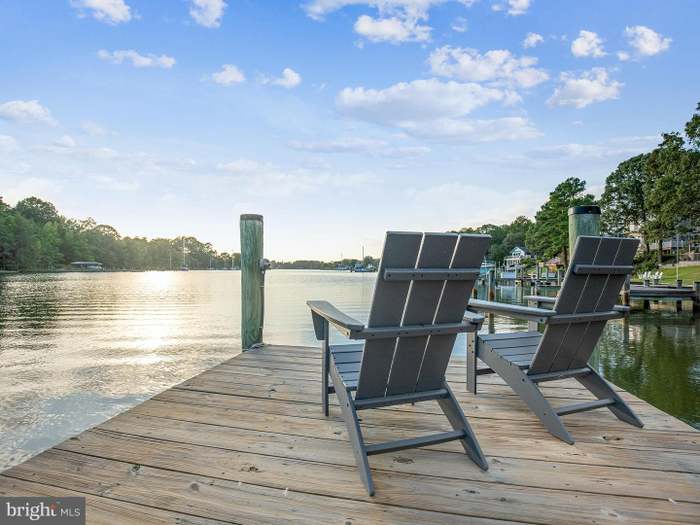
654,195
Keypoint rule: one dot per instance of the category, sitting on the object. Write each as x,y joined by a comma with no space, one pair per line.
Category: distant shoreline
29,272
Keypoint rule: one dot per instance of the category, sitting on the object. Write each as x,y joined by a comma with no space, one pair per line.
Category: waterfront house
516,258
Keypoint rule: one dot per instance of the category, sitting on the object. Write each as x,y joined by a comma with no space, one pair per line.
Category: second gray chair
585,303
421,294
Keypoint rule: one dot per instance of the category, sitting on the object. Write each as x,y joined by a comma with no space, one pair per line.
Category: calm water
76,349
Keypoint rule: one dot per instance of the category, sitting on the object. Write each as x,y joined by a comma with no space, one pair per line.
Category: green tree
37,210
625,202
504,237
7,237
49,243
549,236
517,234
27,245
674,187
692,128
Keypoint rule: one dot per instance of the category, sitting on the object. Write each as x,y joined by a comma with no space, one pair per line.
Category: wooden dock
246,443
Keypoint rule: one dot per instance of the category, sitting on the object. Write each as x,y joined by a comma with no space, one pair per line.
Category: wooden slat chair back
423,285
586,301
592,284
413,364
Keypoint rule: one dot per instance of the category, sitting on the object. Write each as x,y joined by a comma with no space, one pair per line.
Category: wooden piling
696,299
252,280
583,220
626,290
492,285
679,303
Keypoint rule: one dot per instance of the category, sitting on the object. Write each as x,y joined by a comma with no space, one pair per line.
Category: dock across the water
246,443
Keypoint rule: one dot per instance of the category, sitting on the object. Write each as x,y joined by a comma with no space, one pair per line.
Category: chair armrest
473,318
323,310
541,299
514,311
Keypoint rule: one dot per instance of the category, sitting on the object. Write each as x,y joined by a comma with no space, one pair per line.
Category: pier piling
583,220
626,290
253,268
696,299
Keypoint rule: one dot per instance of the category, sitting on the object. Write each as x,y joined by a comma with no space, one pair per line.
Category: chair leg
347,407
472,341
528,392
325,370
600,388
458,420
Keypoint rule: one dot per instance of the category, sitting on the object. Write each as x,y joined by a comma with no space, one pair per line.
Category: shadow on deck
246,443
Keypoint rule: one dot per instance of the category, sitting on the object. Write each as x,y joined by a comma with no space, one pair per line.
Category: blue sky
335,119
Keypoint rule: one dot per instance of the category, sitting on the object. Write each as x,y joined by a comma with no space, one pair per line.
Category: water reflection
77,349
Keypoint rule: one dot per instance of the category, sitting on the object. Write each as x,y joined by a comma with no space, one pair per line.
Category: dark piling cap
251,217
585,210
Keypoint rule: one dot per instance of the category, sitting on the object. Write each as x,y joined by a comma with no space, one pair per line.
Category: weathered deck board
246,442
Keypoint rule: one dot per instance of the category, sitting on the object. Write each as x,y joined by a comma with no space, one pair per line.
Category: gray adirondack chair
573,326
418,308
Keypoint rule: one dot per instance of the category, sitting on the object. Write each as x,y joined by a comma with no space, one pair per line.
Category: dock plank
245,442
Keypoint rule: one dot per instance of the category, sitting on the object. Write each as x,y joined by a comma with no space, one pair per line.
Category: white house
516,257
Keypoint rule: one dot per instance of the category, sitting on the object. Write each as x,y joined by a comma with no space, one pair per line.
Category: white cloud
289,79
591,86
618,147
480,130
137,59
256,178
459,25
66,141
418,100
93,128
398,20
318,9
442,207
588,44
623,56
645,41
108,11
497,65
518,7
30,187
403,152
26,111
8,143
393,29
112,183
228,75
359,145
339,145
532,39
207,13
244,167
434,109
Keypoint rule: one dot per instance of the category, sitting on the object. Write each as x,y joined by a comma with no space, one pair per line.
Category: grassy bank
689,274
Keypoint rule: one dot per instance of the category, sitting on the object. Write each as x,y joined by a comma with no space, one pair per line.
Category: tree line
656,194
34,236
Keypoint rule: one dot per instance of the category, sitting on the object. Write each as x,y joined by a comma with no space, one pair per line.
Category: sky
335,119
